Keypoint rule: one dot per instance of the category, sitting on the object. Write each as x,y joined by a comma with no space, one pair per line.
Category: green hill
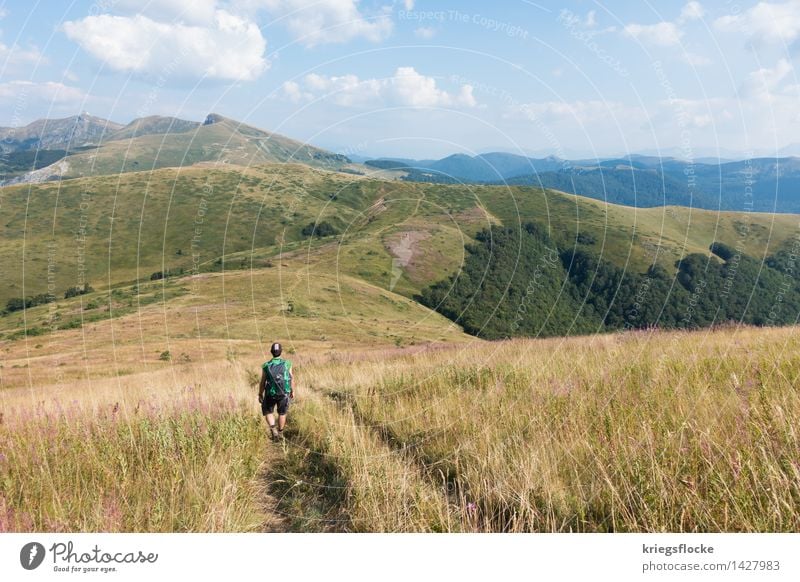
114,231
156,142
218,139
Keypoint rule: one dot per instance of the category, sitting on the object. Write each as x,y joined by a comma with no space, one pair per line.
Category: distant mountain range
84,145
760,184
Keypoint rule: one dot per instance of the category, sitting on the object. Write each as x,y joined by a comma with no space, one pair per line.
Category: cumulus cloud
670,34
292,91
406,87
666,33
330,21
226,47
765,22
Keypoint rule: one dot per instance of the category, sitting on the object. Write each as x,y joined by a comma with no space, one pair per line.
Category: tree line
518,282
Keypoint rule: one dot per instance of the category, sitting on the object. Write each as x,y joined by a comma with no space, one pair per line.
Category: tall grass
633,432
183,462
626,432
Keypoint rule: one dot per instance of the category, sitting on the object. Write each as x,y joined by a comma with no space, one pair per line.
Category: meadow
628,432
133,407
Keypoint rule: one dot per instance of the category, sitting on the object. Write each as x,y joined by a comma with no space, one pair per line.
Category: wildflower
471,507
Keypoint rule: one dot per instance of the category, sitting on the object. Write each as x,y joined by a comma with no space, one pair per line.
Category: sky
423,78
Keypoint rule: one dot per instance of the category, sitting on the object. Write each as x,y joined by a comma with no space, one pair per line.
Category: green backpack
278,377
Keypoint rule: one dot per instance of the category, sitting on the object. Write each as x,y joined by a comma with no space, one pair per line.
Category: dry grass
627,432
157,457
634,432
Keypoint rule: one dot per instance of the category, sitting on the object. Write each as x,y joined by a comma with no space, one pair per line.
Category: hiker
275,390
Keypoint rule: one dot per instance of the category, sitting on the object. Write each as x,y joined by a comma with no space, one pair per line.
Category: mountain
396,235
154,124
489,167
757,184
159,142
57,134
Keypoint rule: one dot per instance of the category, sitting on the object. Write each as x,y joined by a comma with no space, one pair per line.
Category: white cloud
15,55
228,47
765,22
661,34
670,34
764,84
691,11
330,21
291,90
48,92
408,4
426,32
406,87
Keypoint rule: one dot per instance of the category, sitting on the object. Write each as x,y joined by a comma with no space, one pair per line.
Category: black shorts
270,402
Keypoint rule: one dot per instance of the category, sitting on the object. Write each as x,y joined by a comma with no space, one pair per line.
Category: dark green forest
518,282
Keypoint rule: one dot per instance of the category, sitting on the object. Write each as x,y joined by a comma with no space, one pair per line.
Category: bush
78,290
19,303
165,356
320,229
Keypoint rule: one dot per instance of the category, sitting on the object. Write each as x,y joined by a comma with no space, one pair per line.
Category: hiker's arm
262,385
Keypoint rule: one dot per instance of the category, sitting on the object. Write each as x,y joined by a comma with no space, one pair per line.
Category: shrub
319,229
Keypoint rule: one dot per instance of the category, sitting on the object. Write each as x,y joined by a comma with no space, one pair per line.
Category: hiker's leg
283,408
270,419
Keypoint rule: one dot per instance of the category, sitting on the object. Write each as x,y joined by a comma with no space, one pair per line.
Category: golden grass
632,432
626,432
158,456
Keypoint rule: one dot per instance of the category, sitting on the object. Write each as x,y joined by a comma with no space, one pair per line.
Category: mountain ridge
103,147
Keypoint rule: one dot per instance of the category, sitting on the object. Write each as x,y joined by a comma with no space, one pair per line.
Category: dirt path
275,521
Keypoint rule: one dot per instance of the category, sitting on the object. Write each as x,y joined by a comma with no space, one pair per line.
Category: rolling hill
145,380
57,134
154,142
759,184
120,231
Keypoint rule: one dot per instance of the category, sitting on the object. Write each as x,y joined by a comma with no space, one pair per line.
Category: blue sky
422,78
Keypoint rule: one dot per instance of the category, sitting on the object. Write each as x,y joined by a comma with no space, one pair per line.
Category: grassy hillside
132,407
679,432
400,236
153,143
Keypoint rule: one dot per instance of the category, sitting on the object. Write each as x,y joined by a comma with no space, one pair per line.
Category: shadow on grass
310,491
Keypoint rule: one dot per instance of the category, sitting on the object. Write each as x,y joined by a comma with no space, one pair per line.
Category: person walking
275,390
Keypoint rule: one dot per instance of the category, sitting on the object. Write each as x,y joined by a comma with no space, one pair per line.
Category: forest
518,282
